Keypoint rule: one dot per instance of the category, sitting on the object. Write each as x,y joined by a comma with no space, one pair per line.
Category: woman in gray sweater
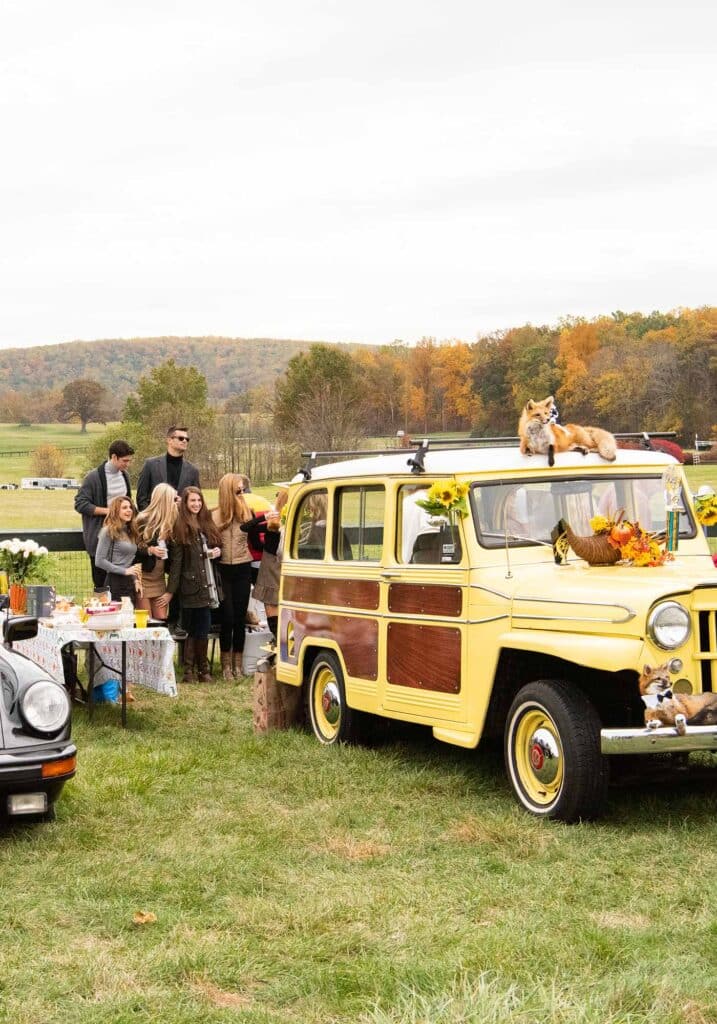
117,550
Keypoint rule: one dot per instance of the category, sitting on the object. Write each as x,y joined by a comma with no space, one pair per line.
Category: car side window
309,538
360,512
424,539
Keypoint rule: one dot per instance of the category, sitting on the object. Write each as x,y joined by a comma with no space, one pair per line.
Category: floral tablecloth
150,653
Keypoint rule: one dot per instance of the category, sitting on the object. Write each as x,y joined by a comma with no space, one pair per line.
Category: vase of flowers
446,502
25,561
706,506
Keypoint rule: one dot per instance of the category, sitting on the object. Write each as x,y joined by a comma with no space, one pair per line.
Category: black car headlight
668,625
45,708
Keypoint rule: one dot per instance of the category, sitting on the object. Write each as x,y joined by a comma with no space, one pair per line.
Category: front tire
331,719
552,752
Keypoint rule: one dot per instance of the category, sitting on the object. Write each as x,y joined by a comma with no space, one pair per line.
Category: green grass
25,439
398,884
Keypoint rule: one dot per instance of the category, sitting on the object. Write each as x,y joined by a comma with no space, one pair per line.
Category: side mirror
23,627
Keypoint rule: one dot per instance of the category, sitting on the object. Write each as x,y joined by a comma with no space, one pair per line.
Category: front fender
590,651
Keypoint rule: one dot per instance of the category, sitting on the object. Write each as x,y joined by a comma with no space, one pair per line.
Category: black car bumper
44,771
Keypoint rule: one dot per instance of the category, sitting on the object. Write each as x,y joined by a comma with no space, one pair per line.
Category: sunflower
706,509
601,524
445,497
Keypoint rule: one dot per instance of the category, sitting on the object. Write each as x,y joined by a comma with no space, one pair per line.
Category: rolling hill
230,365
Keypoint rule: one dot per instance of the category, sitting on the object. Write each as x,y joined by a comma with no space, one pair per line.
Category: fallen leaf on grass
143,917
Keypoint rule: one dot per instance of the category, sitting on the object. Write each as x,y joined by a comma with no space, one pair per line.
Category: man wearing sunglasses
172,468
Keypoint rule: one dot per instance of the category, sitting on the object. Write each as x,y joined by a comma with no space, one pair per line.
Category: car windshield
527,511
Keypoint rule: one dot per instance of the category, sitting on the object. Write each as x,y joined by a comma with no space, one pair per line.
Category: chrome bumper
666,740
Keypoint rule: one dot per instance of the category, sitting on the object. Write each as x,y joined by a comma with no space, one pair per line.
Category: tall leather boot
189,675
237,666
227,671
201,648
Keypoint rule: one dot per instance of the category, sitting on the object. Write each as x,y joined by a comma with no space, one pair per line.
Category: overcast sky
351,171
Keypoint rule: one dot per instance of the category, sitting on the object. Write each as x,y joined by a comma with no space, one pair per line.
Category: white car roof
477,461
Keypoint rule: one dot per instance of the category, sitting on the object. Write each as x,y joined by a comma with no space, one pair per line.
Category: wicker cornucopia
596,549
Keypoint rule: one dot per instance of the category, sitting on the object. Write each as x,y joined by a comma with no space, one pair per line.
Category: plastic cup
141,617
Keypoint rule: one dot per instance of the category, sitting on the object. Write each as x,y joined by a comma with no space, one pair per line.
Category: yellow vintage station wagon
469,624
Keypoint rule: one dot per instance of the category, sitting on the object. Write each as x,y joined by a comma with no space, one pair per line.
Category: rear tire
331,719
552,752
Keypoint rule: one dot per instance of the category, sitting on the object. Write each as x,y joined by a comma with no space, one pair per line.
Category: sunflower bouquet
447,499
706,509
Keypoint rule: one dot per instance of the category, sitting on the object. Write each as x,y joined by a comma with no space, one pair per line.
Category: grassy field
62,435
392,885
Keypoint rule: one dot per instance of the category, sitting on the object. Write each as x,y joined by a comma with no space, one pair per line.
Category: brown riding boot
201,647
237,667
189,675
227,673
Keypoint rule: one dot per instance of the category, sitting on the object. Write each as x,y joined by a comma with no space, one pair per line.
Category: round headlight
669,625
45,707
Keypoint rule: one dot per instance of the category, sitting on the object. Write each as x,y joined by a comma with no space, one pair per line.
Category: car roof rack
420,448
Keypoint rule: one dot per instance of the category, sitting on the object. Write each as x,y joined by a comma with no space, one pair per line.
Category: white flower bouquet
24,560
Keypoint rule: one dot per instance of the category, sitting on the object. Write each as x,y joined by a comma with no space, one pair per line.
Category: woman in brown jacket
235,570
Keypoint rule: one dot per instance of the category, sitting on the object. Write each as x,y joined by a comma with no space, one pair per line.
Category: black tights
236,583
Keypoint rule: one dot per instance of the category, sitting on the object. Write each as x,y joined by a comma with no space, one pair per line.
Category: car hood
617,594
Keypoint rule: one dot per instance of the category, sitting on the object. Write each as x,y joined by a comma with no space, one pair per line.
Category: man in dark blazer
171,468
97,490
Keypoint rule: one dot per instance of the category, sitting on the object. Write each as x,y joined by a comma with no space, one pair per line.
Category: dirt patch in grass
517,837
619,919
354,849
221,997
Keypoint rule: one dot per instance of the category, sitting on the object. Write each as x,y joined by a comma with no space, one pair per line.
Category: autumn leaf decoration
635,545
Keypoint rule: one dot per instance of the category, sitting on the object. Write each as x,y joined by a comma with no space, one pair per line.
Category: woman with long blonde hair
235,570
155,525
117,550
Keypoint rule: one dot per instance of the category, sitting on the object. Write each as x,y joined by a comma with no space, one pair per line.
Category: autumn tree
490,378
84,400
458,403
383,372
319,403
167,395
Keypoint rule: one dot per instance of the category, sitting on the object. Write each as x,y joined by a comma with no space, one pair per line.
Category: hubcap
326,704
538,756
330,703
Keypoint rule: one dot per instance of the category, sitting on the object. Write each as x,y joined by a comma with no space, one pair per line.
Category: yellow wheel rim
326,704
538,757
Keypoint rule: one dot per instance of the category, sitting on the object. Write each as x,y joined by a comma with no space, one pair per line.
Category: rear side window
309,537
358,534
424,539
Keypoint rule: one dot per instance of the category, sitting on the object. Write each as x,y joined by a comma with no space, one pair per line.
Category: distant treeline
626,372
231,365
